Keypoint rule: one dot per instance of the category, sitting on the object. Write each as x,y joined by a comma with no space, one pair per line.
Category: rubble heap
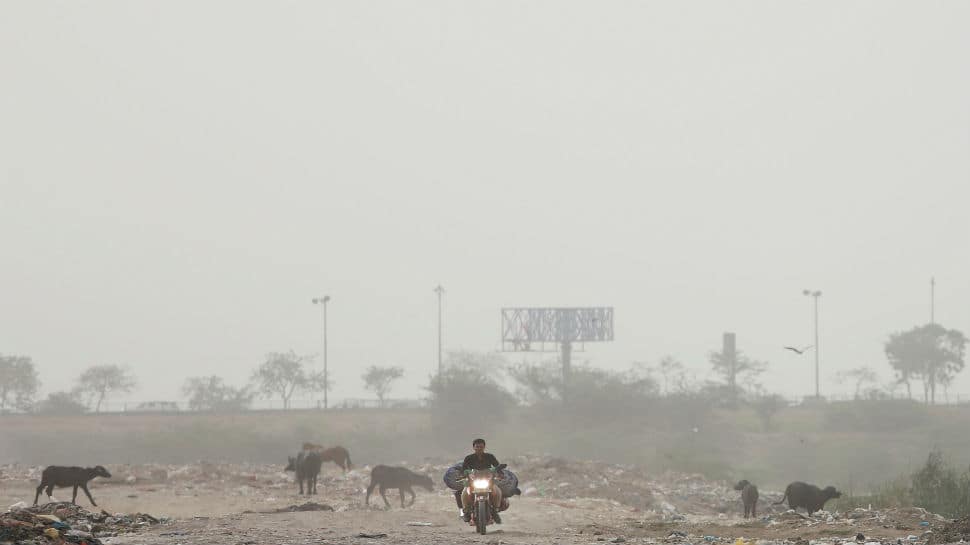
66,522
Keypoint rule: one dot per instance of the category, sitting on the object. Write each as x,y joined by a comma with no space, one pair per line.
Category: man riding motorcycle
481,460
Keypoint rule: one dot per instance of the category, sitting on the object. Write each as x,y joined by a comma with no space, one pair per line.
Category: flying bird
798,350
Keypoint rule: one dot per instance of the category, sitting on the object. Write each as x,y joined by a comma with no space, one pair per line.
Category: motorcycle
480,484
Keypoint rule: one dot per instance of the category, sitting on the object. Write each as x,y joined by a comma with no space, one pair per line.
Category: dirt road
232,505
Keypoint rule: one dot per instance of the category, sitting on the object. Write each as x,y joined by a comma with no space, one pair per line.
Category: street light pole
815,294
326,383
439,290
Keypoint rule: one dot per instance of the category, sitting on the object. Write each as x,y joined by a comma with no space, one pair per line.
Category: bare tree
379,379
100,380
672,373
737,371
284,373
861,376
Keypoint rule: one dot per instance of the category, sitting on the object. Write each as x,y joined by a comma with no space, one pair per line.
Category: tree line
282,375
930,356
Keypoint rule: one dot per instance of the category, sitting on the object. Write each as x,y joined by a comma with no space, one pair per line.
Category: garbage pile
66,522
667,495
953,531
663,505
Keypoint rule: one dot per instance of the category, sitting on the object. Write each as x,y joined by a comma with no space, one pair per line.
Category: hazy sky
179,179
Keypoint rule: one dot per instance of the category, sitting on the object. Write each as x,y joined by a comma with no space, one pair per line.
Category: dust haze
230,228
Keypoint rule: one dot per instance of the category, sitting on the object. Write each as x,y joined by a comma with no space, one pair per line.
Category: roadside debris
667,508
308,506
67,522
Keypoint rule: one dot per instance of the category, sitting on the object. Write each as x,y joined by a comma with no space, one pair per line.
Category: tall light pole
326,383
932,300
815,294
439,290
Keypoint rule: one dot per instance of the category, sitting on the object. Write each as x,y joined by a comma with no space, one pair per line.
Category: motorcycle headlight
480,484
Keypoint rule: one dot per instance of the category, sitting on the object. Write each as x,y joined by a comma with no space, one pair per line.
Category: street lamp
815,294
326,384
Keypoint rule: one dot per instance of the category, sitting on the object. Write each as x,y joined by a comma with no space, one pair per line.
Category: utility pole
439,290
815,294
932,300
326,382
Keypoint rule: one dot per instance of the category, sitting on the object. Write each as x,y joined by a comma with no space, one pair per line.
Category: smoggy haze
178,180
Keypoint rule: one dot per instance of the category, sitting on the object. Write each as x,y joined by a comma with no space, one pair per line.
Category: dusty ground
234,504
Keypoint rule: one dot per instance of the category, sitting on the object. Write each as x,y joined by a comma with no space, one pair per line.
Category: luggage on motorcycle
452,476
508,483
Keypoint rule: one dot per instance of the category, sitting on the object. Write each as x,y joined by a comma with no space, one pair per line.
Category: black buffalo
396,477
62,476
306,465
809,496
749,497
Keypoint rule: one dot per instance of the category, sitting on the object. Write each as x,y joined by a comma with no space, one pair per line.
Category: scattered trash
371,536
67,523
655,503
308,506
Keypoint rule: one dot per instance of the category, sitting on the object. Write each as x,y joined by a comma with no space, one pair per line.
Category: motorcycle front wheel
481,517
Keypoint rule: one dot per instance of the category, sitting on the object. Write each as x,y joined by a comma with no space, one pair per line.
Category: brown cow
337,455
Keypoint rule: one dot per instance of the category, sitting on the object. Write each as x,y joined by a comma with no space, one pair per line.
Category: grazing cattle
809,496
749,497
337,455
306,466
61,476
396,477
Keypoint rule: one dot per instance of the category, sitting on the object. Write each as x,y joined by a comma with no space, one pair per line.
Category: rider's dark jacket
472,461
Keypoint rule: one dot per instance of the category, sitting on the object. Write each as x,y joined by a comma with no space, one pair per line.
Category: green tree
602,394
212,394
936,487
284,373
379,379
536,383
60,403
737,371
18,382
98,381
766,407
468,394
931,353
